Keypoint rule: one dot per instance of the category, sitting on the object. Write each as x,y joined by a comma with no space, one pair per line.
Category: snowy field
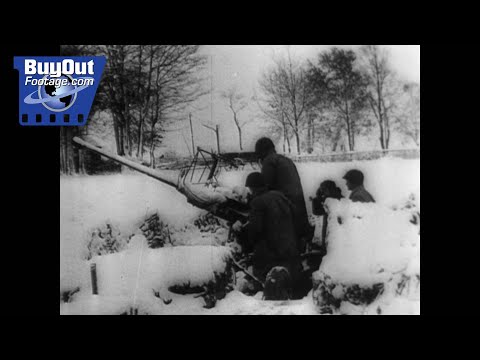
128,277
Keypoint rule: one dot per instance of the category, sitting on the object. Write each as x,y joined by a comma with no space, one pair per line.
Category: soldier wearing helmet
354,179
280,173
272,235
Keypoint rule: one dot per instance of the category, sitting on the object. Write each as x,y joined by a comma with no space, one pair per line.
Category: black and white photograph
244,180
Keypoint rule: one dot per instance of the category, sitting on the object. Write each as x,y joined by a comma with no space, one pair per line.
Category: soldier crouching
272,237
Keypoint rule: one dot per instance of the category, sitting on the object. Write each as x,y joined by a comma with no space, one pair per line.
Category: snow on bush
89,202
146,269
373,254
106,239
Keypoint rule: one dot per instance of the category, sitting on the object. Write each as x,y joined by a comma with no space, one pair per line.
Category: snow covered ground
87,202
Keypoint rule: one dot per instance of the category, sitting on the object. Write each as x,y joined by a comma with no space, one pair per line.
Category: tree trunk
382,136
380,113
121,138
140,140
81,157
313,135
126,133
352,130
309,135
152,155
116,130
387,138
140,120
348,132
81,152
297,138
240,137
349,125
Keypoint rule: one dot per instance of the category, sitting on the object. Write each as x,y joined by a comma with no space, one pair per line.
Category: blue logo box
57,90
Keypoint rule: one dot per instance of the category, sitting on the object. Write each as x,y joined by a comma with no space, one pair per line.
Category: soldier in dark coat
280,173
354,180
271,231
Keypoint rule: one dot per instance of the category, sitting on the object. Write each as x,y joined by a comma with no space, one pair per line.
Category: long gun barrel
165,178
227,209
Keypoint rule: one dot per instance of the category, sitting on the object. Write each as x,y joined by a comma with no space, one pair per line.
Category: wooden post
93,273
218,138
191,132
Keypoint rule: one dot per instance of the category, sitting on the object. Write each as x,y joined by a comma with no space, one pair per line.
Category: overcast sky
242,66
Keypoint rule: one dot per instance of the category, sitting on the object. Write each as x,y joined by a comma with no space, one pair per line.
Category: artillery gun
198,181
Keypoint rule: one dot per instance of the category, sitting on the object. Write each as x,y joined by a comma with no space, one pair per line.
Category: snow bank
236,303
372,251
129,278
140,268
87,202
370,244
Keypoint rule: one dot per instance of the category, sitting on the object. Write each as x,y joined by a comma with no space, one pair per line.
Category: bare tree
175,85
271,108
285,87
118,86
145,85
145,61
72,158
236,103
381,87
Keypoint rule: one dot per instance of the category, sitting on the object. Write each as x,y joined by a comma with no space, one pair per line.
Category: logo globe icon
58,104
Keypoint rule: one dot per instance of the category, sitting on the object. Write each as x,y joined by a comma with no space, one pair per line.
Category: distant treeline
321,105
328,102
143,87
